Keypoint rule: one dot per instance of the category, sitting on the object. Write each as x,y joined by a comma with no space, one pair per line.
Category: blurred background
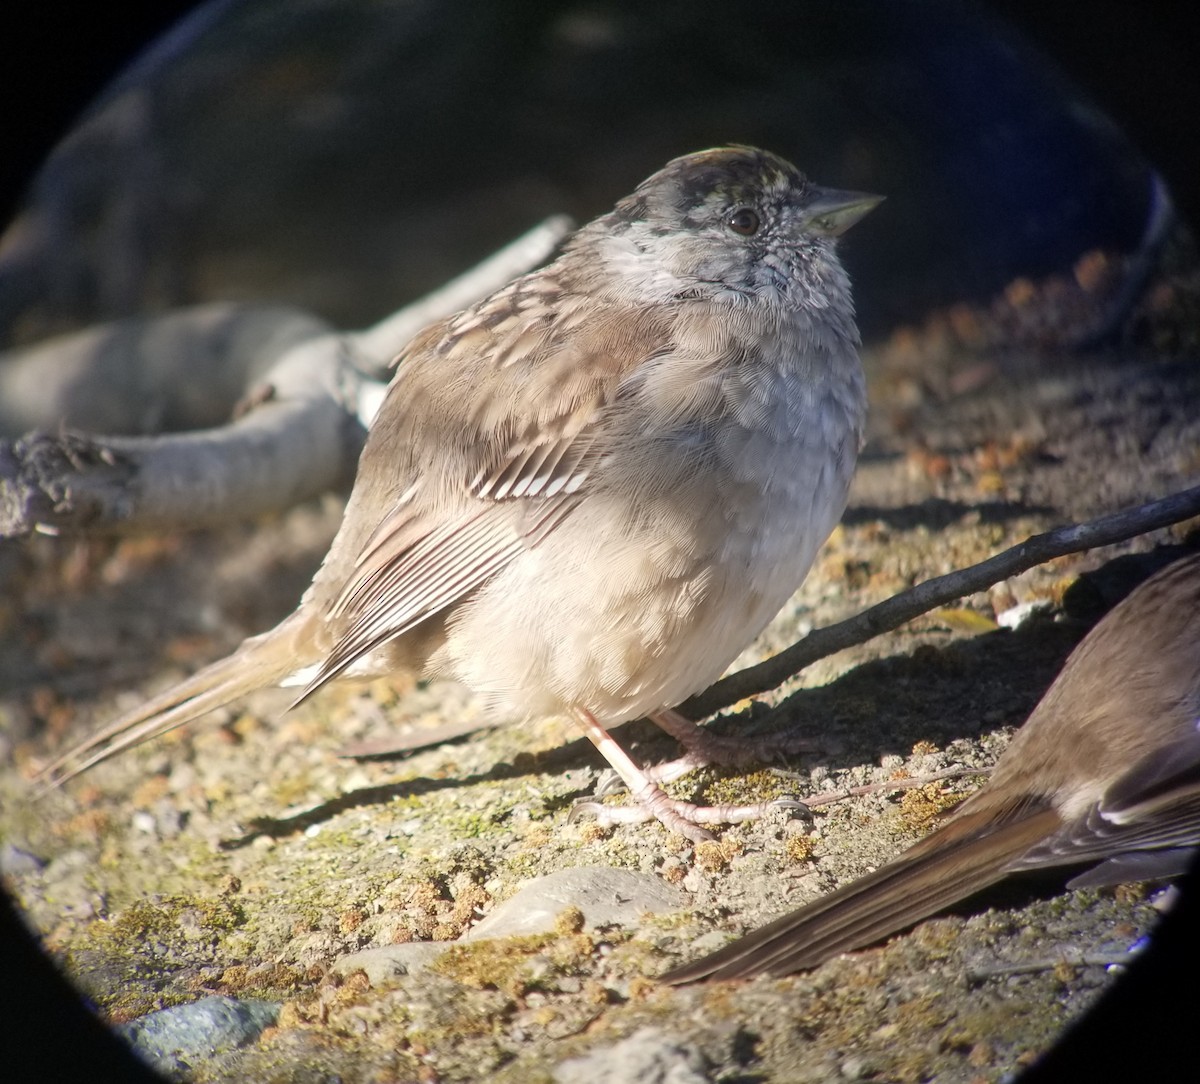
347,156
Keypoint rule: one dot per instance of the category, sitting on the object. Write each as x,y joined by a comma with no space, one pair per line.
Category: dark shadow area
937,513
49,1034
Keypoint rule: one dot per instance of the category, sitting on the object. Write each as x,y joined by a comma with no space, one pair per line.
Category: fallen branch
184,369
308,392
298,442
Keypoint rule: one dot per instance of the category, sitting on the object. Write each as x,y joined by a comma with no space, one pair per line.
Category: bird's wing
484,443
1154,806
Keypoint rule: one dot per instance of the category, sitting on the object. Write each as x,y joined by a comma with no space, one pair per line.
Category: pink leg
682,817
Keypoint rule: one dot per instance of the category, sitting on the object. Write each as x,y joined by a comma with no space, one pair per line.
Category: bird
585,495
1104,774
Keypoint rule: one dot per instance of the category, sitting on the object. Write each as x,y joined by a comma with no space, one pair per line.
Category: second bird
1105,774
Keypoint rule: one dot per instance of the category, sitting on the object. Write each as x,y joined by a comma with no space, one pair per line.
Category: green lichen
165,919
514,965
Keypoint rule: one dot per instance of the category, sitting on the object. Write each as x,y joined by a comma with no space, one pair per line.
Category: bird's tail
261,661
948,866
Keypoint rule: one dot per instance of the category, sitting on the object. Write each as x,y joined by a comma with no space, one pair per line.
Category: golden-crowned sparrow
588,493
1105,774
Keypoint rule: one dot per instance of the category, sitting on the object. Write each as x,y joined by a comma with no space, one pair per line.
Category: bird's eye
744,221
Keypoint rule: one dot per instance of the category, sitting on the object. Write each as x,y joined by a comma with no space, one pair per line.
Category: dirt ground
243,857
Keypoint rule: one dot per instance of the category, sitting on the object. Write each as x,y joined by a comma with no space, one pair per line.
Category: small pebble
14,861
174,1040
606,896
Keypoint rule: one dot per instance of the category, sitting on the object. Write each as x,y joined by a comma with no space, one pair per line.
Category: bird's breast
691,531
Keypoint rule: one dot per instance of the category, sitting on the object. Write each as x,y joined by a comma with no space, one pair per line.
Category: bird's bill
831,212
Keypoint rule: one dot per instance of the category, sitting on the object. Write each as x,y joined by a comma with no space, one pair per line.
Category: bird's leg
705,748
677,816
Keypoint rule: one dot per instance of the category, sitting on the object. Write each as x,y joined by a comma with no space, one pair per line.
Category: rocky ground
242,867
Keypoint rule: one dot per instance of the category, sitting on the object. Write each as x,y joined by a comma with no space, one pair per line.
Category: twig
1034,967
931,594
828,797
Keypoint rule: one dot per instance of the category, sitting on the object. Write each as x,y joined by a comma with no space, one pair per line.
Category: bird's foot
685,818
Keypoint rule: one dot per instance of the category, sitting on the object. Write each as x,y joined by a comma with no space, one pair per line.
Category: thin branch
828,797
895,611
